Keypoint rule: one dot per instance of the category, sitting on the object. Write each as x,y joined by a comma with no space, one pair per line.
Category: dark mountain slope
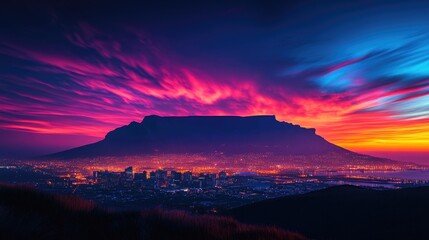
347,212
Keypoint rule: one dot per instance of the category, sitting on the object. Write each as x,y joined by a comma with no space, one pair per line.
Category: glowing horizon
363,84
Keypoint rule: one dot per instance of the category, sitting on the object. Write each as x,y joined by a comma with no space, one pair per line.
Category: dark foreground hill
26,214
347,212
210,134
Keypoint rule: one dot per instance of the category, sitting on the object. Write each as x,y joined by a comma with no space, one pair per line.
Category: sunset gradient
363,85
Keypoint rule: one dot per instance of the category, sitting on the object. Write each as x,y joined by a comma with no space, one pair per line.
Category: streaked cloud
369,92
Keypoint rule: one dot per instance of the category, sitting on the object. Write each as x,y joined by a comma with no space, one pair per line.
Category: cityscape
200,191
214,120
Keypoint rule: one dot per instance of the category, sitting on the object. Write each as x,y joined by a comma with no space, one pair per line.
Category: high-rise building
161,175
140,176
176,177
129,174
95,175
222,179
222,175
211,180
187,177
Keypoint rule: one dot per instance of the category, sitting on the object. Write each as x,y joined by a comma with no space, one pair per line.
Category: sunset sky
357,72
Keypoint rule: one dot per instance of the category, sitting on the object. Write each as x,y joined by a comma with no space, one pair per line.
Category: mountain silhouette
207,134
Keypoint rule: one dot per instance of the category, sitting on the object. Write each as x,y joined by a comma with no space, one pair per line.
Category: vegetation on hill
27,214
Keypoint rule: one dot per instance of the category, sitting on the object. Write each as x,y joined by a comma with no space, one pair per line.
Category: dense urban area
203,190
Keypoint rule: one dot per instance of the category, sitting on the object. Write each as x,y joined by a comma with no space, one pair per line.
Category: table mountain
207,134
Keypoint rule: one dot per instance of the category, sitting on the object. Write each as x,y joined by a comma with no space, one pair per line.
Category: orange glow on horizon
99,96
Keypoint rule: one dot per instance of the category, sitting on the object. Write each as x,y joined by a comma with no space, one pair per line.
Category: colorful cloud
89,79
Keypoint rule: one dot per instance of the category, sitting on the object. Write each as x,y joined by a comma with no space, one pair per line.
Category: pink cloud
114,86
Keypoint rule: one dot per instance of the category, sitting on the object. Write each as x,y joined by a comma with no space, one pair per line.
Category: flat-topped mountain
207,134
222,134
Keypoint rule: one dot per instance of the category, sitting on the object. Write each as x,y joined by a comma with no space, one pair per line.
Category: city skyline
244,119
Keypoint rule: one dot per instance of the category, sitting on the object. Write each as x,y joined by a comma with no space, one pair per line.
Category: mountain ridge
207,134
